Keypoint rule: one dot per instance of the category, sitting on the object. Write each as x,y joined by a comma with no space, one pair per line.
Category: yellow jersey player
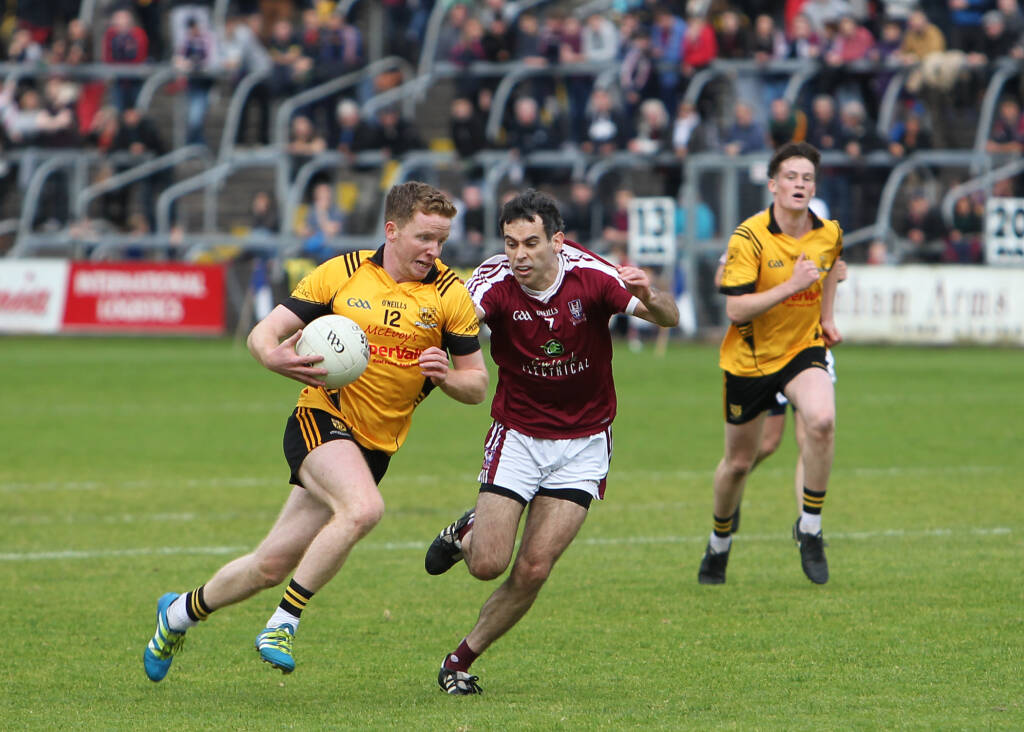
780,281
338,442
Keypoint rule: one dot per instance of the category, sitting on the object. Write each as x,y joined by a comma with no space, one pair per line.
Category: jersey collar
545,295
378,259
773,225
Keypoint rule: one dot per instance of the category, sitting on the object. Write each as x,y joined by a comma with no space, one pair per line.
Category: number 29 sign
1004,231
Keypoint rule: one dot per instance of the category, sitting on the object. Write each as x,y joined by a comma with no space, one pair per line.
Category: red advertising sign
135,297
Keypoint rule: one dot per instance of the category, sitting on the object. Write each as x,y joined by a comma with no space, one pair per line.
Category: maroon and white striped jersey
553,349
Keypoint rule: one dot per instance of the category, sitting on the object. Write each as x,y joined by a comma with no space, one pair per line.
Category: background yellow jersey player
338,442
780,283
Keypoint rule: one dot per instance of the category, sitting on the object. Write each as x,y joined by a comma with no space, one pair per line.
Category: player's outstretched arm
272,343
656,306
464,381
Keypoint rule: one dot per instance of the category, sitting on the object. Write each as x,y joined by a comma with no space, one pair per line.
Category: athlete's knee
363,516
531,574
820,426
486,566
737,466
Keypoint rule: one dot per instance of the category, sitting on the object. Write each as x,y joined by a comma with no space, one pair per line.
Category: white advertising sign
32,295
940,304
1004,231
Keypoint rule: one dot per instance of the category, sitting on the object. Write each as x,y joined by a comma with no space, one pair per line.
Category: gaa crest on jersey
576,311
428,317
552,348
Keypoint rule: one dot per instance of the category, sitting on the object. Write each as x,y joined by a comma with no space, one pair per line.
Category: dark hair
405,199
532,204
794,150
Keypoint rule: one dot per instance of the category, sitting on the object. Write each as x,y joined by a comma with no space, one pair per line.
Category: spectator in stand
1007,135
451,30
606,129
909,135
964,241
966,31
668,32
858,138
733,36
804,41
826,14
469,251
27,122
263,217
690,133
498,40
468,50
844,73
138,135
824,132
599,38
197,58
124,42
527,133
744,134
998,44
785,124
638,75
578,213
921,40
768,44
885,54
468,135
393,135
577,86
338,50
290,68
304,142
352,133
700,48
242,54
653,129
103,129
924,229
1013,17
23,48
615,229
324,222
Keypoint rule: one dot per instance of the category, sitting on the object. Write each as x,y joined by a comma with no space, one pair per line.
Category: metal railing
137,173
981,183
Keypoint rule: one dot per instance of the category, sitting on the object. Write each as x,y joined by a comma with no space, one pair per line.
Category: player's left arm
829,330
656,306
465,380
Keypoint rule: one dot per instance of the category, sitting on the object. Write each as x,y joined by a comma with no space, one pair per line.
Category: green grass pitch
133,467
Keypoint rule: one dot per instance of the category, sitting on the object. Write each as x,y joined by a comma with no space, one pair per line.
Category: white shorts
525,465
830,362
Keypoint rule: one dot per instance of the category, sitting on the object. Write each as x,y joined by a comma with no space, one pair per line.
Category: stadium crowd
942,52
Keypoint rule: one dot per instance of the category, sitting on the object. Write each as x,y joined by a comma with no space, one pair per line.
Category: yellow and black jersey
401,320
760,257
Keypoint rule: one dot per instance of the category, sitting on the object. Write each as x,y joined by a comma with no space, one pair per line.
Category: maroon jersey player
547,302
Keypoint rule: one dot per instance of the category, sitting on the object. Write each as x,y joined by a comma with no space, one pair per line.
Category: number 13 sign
652,231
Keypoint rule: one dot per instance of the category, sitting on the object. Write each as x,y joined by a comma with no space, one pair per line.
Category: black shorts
746,397
308,428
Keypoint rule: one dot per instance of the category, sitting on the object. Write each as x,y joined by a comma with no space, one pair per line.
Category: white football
343,345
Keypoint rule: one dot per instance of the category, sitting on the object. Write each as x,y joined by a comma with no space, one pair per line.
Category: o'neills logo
24,301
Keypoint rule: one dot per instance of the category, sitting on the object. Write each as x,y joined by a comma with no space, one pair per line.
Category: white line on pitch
418,545
469,478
